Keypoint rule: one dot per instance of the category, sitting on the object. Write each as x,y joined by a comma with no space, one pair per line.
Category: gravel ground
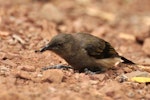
27,25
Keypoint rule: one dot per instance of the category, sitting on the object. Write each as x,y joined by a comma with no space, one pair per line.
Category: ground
28,25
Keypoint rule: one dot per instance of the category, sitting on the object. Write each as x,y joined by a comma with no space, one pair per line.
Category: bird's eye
59,44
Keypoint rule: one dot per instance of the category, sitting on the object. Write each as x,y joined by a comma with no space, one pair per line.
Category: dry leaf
141,79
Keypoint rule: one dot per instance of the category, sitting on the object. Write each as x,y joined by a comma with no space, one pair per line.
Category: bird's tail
126,61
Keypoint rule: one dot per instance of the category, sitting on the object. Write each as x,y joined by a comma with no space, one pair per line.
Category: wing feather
98,51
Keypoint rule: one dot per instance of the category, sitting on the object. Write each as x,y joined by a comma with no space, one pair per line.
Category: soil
28,25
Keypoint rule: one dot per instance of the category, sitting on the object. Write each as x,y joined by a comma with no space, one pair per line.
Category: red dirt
27,25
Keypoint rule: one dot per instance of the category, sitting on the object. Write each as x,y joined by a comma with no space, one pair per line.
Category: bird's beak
43,49
47,47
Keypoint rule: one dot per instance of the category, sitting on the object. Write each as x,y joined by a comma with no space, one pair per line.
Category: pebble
22,74
146,46
137,74
53,76
127,69
27,68
51,12
3,33
130,94
9,62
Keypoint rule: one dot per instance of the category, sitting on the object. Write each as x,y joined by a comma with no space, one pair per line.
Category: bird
84,51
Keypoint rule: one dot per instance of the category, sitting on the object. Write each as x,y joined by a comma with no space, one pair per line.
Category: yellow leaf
141,79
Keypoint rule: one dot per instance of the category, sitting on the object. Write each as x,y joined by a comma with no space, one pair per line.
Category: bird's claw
87,71
59,66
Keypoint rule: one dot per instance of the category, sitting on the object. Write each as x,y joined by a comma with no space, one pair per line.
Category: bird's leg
87,71
59,66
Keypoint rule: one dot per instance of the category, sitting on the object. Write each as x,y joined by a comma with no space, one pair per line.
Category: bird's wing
100,49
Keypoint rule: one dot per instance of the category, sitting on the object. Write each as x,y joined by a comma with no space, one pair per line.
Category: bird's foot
59,66
87,71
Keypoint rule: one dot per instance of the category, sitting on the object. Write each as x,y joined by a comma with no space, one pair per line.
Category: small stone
93,82
130,94
146,46
9,62
52,89
53,75
18,38
127,69
39,75
27,68
137,74
121,78
142,33
127,36
51,12
22,74
3,33
4,70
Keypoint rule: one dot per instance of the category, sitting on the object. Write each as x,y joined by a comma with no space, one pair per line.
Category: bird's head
59,44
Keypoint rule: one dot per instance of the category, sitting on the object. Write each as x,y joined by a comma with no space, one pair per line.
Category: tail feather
125,60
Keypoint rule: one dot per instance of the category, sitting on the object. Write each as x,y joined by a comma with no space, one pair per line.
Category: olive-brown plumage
83,50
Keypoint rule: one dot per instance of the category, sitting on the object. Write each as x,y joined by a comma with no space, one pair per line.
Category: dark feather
125,60
95,50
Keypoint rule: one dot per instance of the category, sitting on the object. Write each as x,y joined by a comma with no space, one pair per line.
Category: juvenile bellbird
83,50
